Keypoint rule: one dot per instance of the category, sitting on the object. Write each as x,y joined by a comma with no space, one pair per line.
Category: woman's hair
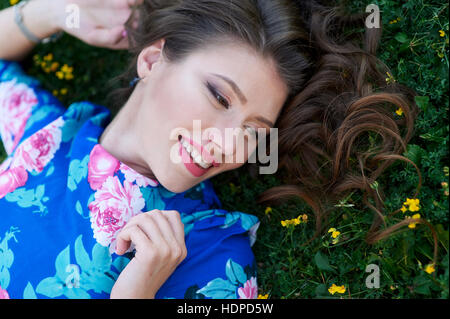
339,97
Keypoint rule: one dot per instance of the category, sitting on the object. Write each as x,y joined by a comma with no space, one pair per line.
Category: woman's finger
177,225
130,234
105,37
176,245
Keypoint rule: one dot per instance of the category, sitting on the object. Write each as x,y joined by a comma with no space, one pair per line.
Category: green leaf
422,102
422,285
81,255
50,287
61,262
322,262
101,259
415,153
219,289
401,37
40,190
321,290
235,273
29,293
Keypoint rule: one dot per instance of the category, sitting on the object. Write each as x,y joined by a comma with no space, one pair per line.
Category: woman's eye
252,132
223,101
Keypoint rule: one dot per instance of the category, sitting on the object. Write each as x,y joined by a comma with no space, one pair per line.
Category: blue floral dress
64,199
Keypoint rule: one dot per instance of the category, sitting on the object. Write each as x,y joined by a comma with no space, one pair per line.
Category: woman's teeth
195,155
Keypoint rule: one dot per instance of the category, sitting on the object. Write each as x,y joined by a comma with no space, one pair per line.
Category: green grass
418,56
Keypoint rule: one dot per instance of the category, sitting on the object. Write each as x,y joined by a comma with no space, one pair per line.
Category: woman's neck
120,140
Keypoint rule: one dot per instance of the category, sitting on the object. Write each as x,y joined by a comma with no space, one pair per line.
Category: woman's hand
101,22
158,237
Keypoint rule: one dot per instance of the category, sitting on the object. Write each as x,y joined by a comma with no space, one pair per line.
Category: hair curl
324,132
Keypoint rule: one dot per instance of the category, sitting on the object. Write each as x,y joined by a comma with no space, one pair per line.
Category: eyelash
216,94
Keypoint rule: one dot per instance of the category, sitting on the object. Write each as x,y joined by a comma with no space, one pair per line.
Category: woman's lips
189,163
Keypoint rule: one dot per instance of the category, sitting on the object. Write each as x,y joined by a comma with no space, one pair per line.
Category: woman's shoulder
26,108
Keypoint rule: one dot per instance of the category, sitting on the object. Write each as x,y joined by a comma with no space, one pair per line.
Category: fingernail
124,33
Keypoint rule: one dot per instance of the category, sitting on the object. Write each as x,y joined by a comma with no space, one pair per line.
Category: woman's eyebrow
242,97
265,121
234,86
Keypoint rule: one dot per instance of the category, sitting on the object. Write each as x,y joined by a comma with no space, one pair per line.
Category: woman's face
198,102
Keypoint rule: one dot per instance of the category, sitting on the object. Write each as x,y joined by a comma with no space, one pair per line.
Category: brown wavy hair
338,96
324,133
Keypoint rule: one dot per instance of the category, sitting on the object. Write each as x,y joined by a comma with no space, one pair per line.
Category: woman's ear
148,58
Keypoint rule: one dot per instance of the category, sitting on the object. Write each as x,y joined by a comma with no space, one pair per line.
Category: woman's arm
41,17
101,24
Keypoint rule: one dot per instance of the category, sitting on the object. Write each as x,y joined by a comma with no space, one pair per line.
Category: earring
134,81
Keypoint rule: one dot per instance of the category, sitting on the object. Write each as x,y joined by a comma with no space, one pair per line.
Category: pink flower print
3,293
250,289
101,165
11,179
5,165
39,149
131,176
112,208
16,102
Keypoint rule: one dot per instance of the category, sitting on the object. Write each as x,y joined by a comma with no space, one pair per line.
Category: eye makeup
223,101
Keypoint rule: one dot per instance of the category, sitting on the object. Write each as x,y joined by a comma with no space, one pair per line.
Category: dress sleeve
220,263
24,106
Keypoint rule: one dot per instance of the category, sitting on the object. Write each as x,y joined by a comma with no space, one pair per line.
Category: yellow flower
55,92
399,112
288,222
336,289
393,21
54,66
268,210
429,268
413,204
65,72
263,296
63,91
334,233
390,78
66,69
69,76
60,75
305,218
415,216
403,209
48,57
442,33
13,2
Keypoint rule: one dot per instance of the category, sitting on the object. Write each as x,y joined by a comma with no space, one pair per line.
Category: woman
97,209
